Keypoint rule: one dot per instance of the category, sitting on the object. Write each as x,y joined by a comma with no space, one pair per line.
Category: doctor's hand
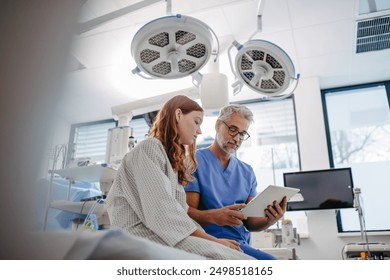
228,215
275,211
230,243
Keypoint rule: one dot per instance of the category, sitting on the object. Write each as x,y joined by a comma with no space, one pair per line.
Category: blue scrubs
220,187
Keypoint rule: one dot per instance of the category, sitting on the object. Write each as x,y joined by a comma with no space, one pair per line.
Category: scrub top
219,187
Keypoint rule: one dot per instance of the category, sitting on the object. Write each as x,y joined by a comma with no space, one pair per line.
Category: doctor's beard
223,144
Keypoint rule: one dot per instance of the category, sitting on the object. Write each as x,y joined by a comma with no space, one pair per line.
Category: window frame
324,92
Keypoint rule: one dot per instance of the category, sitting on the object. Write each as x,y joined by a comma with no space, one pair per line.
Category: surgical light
263,66
173,47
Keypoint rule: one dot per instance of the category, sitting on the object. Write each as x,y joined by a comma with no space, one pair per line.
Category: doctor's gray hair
226,112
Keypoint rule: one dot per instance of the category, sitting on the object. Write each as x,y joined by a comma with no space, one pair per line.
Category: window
272,148
358,131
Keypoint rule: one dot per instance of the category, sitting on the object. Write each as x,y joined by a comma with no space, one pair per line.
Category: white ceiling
318,35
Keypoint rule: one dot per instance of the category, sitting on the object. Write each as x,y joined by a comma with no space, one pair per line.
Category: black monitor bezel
350,205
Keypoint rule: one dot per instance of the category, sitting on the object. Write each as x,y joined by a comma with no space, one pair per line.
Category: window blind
90,141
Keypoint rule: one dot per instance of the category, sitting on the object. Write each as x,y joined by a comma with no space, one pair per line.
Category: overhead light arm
372,6
169,7
93,23
259,26
124,113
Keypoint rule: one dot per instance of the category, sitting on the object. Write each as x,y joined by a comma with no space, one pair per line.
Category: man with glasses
224,184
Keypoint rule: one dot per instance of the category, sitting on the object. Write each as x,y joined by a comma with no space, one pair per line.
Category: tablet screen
256,207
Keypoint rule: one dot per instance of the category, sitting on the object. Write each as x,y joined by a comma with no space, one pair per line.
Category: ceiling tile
335,64
308,12
96,51
321,39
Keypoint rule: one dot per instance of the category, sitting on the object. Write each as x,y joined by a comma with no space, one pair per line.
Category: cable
58,150
81,212
342,252
88,222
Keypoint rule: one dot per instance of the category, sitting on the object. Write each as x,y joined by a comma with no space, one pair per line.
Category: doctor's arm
273,213
227,215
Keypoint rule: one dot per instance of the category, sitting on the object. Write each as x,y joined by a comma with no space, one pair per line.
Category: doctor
225,184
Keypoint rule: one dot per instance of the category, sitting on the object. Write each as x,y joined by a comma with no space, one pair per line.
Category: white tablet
256,207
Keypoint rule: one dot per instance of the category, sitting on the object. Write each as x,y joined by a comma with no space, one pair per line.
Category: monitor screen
320,189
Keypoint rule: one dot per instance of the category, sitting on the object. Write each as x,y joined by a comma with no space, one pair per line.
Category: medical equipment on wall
120,140
131,143
364,250
287,232
81,161
358,205
281,236
358,251
263,66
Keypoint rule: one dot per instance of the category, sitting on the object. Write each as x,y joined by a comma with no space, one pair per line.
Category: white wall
310,125
323,242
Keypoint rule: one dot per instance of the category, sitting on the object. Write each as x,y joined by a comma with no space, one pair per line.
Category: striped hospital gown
147,201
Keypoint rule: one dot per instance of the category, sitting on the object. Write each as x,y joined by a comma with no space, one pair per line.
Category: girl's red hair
165,129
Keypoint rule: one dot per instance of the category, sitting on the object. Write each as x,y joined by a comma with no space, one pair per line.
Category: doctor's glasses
233,131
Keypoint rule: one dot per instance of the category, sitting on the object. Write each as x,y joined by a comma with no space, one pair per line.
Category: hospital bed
112,244
60,242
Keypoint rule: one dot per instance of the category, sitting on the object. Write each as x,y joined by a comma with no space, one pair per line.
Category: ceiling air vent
373,34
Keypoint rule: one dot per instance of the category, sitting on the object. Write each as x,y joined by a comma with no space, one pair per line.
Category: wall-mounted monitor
321,189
